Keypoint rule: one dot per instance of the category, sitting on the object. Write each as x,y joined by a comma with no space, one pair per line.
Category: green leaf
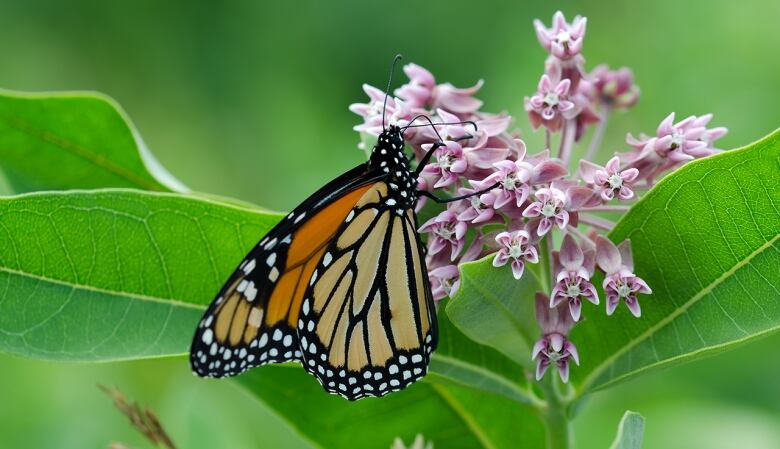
461,361
114,274
630,432
493,308
74,141
120,274
450,417
706,241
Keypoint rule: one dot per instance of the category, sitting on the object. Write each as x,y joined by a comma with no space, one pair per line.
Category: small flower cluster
518,201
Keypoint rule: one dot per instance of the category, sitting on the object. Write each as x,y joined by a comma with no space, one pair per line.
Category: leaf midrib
599,369
128,295
484,373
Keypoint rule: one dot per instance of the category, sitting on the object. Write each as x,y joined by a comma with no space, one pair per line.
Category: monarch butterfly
339,285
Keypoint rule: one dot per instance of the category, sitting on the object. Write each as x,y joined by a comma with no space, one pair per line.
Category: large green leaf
493,308
450,417
74,141
121,274
706,240
114,274
631,431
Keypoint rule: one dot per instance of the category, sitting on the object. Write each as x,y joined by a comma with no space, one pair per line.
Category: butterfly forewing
367,325
252,320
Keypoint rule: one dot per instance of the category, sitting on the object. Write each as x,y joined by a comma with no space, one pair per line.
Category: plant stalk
560,434
567,141
598,222
545,252
598,134
547,139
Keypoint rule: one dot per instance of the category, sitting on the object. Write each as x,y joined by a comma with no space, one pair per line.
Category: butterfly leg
427,157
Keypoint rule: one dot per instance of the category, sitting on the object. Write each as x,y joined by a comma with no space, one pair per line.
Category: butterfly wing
252,320
368,324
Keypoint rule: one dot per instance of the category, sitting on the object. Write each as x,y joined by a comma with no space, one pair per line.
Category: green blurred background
249,99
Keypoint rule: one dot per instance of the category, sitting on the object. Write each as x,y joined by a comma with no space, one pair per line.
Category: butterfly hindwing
252,320
367,325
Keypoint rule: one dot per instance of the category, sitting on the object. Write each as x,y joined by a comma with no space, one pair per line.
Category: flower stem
598,222
545,249
598,135
557,423
547,139
579,234
567,141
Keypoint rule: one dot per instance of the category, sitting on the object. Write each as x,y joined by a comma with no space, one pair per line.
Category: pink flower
419,90
673,145
553,348
457,100
513,178
445,232
449,165
463,155
573,279
455,130
445,281
710,135
515,246
609,180
396,113
678,142
479,154
620,282
422,92
550,205
478,209
550,105
562,40
681,141
615,88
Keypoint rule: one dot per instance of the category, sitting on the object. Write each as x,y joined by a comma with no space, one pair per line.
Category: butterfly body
388,157
340,285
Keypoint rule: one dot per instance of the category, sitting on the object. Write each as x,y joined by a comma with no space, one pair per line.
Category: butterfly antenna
463,122
389,83
430,123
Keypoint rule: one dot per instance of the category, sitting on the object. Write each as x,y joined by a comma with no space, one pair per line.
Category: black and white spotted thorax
388,157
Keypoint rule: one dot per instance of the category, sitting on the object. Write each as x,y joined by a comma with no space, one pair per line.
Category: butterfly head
388,152
393,136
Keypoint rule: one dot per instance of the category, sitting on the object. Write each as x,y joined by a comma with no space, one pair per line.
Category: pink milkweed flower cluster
521,198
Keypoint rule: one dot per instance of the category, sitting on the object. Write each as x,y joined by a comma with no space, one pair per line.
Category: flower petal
570,256
517,268
541,368
633,306
563,370
588,170
607,255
